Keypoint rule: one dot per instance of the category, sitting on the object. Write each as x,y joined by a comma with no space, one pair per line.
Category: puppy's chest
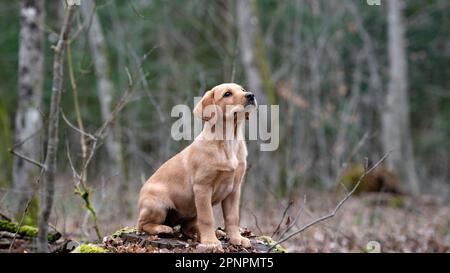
223,185
231,156
232,162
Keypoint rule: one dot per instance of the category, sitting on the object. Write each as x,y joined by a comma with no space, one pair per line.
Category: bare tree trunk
395,119
48,187
104,84
247,24
28,120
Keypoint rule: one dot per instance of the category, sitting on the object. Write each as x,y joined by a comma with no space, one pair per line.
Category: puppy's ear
199,110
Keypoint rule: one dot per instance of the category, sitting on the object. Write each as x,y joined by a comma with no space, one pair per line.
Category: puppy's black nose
250,96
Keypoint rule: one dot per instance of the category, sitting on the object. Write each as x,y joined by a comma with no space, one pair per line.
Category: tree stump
132,241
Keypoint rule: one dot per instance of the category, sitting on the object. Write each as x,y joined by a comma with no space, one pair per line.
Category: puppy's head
226,101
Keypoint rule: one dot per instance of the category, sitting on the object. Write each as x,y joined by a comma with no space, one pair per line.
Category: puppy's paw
220,234
240,241
162,229
155,229
210,245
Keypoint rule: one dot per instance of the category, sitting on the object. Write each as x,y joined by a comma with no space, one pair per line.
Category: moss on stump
267,240
89,248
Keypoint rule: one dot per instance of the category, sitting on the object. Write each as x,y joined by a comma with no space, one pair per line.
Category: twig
100,133
119,106
291,202
339,205
136,11
75,174
28,159
256,222
294,222
76,128
21,142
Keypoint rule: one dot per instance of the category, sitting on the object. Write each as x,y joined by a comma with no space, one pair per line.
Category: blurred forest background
353,80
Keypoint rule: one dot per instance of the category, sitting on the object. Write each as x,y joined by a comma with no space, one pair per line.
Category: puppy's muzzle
250,98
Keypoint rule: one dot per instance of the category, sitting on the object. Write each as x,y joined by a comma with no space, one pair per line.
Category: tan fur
207,172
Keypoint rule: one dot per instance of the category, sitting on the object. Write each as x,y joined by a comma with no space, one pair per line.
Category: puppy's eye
227,94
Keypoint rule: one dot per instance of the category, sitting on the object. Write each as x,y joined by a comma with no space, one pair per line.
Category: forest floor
365,223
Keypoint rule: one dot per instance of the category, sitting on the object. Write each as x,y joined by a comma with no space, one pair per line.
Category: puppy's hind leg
151,218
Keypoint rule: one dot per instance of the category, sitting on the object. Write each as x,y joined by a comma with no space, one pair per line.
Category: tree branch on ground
336,209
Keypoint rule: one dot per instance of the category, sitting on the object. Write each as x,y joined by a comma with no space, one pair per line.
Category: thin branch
294,222
119,106
136,11
28,159
291,202
336,209
76,128
256,222
21,142
100,133
75,174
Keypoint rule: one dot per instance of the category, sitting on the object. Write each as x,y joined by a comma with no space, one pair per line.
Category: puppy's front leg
230,209
205,216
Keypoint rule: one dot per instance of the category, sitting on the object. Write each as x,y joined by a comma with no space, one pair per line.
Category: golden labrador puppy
207,172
